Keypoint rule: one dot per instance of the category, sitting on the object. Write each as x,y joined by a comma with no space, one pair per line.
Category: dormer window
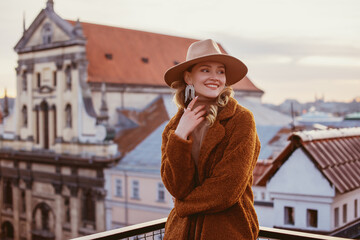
47,33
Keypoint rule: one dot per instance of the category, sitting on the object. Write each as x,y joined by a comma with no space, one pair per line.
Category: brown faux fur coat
213,200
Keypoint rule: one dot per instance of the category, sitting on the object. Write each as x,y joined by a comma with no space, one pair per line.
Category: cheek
223,81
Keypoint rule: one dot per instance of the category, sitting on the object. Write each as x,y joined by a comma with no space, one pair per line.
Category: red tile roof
335,152
125,56
147,120
262,166
246,85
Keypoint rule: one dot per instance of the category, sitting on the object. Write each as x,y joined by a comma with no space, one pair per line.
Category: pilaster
108,216
58,217
31,114
18,104
100,211
28,197
16,213
74,211
59,98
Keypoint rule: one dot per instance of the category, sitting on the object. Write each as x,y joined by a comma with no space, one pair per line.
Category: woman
209,150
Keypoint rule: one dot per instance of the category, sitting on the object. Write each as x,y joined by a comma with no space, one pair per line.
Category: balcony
154,230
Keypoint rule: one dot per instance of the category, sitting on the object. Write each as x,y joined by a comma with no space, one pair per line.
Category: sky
298,49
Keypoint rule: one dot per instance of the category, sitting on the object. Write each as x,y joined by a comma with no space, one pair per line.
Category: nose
214,76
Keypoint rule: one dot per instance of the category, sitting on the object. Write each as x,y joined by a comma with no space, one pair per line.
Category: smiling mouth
212,86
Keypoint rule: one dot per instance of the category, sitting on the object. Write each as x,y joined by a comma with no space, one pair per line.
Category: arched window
47,33
7,231
68,77
43,223
8,200
68,116
24,81
24,116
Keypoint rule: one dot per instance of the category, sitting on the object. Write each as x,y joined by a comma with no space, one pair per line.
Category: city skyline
293,50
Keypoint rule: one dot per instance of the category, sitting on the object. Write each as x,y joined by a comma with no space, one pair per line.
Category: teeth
210,85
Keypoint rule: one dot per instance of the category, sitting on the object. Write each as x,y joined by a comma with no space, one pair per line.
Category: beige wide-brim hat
204,51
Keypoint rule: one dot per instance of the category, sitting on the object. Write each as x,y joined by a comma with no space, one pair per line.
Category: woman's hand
190,119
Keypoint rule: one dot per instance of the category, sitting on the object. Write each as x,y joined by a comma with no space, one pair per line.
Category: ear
187,78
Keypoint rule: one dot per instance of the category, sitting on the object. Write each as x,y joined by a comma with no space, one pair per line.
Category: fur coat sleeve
177,167
229,177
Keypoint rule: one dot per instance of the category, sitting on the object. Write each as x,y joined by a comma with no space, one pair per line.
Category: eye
221,71
204,70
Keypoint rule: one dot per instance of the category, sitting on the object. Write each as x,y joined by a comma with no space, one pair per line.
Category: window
135,189
8,200
344,213
24,116
312,218
47,33
24,81
161,192
355,208
262,196
289,216
88,207
336,217
23,202
67,210
68,117
42,216
68,77
118,186
7,230
38,76
54,78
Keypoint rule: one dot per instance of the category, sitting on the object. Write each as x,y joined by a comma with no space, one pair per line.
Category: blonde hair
221,101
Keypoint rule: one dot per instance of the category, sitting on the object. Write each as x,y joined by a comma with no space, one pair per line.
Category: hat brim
235,70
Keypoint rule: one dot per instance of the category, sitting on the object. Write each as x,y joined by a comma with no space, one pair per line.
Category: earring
189,93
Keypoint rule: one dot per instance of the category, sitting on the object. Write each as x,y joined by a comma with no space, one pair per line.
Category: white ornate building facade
53,146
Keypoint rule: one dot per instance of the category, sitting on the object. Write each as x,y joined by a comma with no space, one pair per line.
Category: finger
198,109
199,120
191,104
200,114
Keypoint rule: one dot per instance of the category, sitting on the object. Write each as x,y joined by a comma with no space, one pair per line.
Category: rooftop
333,151
116,55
